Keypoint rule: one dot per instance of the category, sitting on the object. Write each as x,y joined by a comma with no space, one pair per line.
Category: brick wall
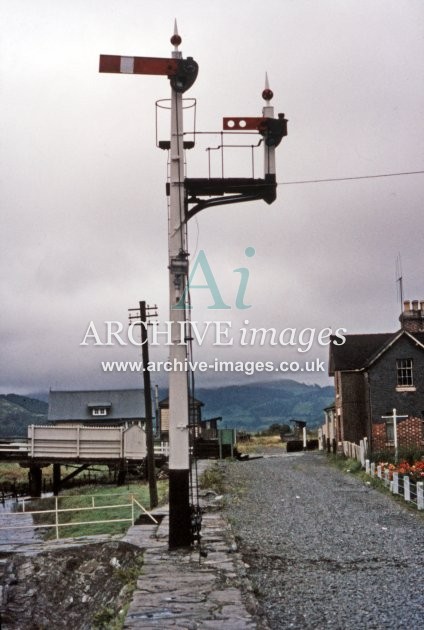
384,393
409,430
353,404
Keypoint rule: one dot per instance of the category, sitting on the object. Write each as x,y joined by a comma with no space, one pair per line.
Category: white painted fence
356,451
412,493
131,505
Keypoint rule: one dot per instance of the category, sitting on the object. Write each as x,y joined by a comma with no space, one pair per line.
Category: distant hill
252,406
17,412
257,405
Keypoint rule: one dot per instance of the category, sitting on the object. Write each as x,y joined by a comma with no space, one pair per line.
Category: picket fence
412,493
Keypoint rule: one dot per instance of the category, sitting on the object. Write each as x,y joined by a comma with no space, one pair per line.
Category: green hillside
17,412
257,405
253,406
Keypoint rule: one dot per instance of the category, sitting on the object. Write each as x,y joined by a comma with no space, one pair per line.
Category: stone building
375,374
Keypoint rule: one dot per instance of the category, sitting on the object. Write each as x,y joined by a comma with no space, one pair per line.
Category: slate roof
123,404
359,350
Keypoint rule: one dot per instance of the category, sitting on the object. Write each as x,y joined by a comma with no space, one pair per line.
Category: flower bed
414,471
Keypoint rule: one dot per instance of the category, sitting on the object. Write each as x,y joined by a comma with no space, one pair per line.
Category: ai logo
201,262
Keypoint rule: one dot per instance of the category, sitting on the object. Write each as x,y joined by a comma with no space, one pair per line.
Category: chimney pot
422,305
415,305
406,306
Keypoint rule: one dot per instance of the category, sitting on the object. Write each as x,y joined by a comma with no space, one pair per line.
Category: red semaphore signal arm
181,72
138,65
243,123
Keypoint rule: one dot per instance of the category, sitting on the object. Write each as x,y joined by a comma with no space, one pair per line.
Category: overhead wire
344,179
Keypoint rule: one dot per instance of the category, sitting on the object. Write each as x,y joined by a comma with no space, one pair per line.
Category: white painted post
379,471
56,517
362,453
372,469
387,477
367,466
320,446
406,488
304,438
395,486
420,495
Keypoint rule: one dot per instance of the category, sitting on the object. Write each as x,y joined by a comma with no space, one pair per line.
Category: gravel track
324,550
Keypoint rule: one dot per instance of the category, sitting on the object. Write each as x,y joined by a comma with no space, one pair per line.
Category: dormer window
100,409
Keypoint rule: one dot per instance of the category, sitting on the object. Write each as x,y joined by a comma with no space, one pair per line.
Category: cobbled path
324,550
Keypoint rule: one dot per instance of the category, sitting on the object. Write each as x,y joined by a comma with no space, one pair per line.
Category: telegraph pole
141,316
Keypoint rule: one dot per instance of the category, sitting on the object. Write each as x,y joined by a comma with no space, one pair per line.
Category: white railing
162,449
133,505
413,493
356,451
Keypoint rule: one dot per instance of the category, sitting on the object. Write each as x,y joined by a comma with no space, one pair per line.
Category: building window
99,411
390,431
404,373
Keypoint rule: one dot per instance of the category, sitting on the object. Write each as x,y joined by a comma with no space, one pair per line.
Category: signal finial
176,39
267,94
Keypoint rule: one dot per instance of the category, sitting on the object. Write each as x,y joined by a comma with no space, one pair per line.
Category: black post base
35,477
56,479
180,534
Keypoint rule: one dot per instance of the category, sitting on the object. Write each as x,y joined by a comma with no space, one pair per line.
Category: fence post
93,501
420,495
132,510
387,477
379,472
56,517
406,489
367,466
372,469
395,486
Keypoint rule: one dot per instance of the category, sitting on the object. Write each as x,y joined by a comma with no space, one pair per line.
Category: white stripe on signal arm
127,65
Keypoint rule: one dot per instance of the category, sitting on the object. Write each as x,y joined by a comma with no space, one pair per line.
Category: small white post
379,471
23,505
395,486
420,495
367,466
406,488
56,513
387,477
362,453
304,438
132,510
372,469
395,436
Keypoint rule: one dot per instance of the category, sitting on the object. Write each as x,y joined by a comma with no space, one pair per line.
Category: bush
410,455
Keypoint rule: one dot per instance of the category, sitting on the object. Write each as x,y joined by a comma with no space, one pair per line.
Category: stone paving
187,589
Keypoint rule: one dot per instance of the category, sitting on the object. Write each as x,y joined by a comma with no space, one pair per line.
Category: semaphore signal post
187,196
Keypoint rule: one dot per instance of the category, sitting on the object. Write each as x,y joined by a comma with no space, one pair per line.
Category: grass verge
352,466
107,501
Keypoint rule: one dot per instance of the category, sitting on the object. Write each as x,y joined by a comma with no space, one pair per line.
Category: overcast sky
83,206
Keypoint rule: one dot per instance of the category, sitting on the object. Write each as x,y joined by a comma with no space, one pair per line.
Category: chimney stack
412,317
